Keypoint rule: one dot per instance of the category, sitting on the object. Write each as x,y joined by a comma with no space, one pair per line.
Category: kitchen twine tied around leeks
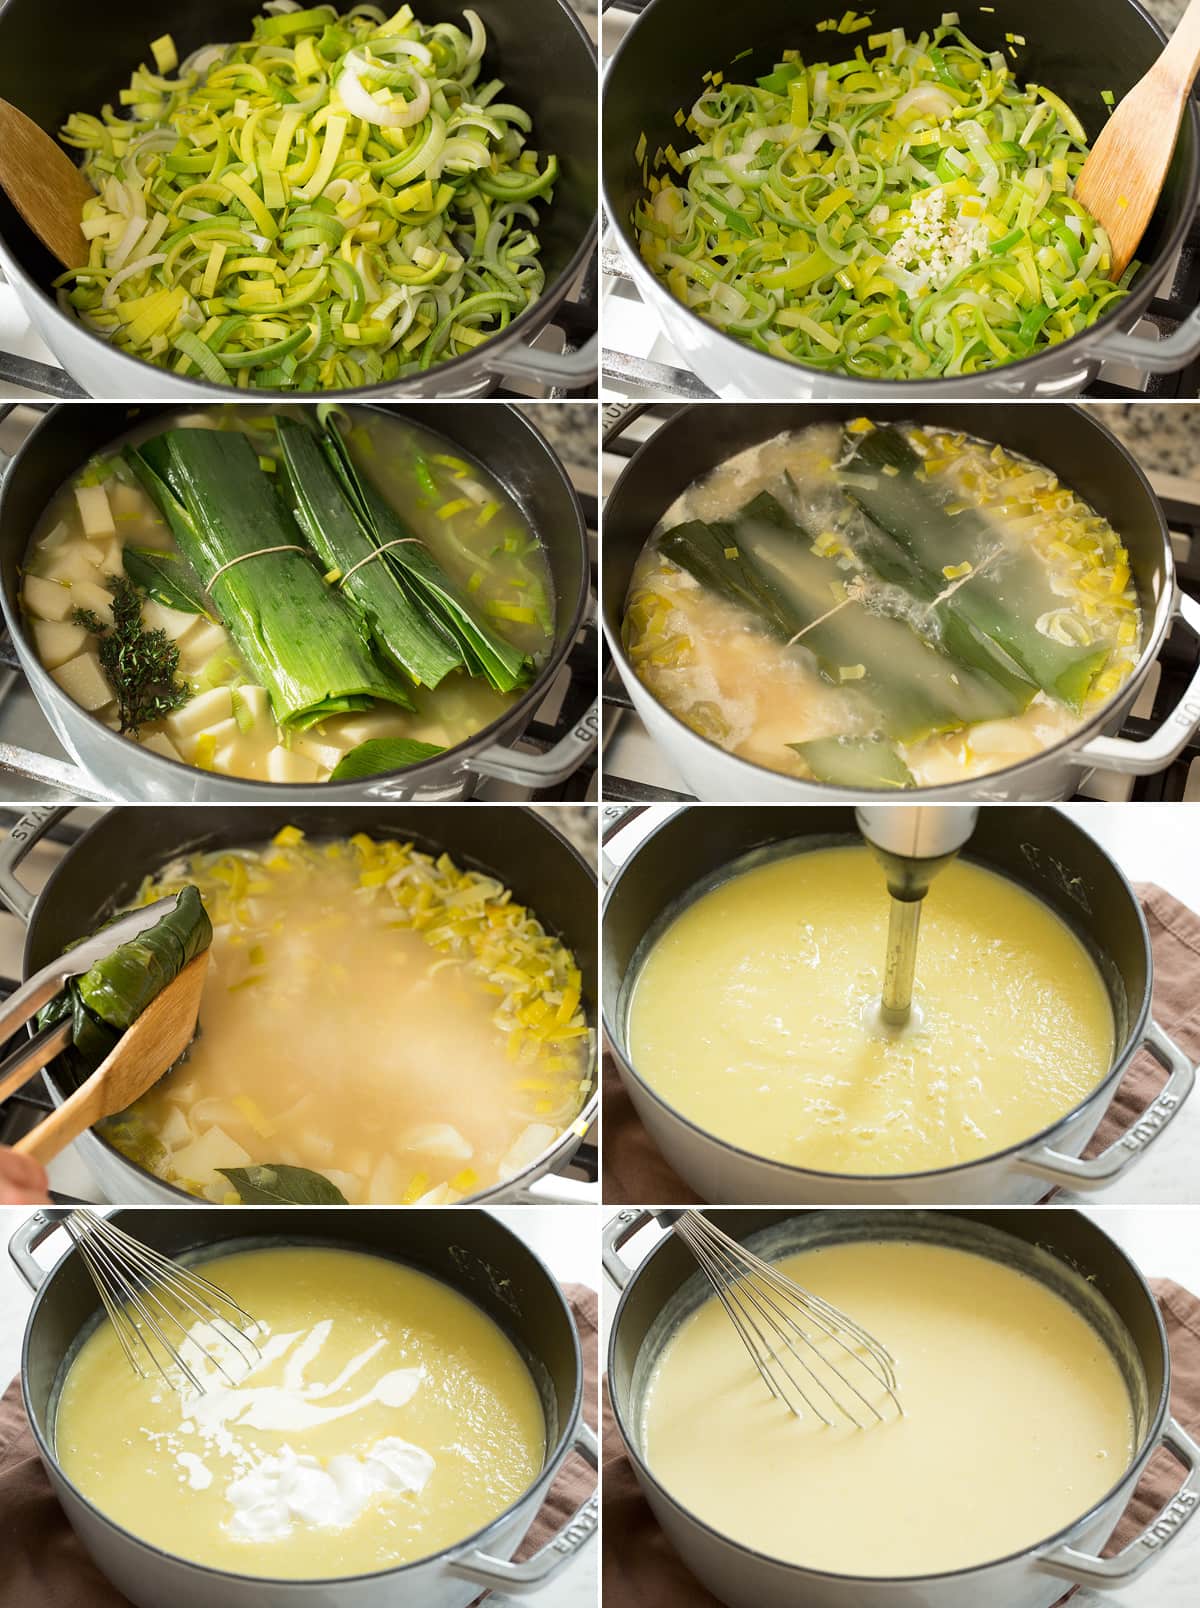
259,552
334,576
340,580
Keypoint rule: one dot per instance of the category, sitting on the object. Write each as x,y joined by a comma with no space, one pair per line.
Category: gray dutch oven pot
1033,1578
1076,47
1040,849
540,50
108,863
1086,457
470,1251
116,769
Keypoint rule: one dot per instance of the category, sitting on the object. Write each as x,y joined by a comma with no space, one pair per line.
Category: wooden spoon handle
61,1127
1180,61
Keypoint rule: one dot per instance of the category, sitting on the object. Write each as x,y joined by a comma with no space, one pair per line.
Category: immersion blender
912,843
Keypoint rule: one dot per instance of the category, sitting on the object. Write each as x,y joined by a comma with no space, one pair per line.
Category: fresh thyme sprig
141,665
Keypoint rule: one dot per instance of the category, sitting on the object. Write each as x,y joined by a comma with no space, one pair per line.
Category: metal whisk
805,1349
161,1310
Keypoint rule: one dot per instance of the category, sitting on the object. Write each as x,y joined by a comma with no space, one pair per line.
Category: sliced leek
336,201
904,213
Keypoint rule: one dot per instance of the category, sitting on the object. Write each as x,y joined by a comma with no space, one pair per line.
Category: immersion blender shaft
901,963
912,843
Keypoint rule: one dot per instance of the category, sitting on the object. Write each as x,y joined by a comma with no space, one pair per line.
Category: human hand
23,1181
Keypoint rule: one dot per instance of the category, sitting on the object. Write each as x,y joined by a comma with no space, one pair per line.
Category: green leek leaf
378,755
868,763
168,578
400,630
1000,605
108,998
484,651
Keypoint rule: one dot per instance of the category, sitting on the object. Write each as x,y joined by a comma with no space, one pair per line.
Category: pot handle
22,837
621,836
568,371
541,770
557,763
1153,753
623,1226
47,771
1086,1570
517,1578
1110,1164
1151,357
37,1227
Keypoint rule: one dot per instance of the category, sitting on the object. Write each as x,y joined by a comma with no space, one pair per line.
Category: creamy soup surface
1016,1420
381,1016
389,1418
753,1017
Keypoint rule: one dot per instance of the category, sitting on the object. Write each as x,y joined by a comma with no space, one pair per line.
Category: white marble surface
565,1240
1164,1244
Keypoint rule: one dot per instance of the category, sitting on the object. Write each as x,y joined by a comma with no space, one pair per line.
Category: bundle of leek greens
381,620
335,202
904,213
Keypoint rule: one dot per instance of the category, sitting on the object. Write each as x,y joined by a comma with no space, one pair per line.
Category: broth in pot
882,607
378,1026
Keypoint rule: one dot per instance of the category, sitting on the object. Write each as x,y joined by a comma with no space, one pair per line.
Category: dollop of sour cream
289,1488
270,1494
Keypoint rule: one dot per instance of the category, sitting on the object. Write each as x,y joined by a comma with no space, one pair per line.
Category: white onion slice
359,103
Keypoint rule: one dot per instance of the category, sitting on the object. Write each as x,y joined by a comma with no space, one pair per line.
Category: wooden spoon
44,185
1122,179
155,1041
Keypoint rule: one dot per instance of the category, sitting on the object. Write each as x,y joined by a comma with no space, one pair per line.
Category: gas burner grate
635,773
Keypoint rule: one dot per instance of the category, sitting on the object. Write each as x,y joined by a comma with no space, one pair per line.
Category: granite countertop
1166,12
570,428
1163,437
576,822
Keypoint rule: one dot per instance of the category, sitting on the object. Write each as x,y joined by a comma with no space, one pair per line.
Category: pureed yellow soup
1016,1420
389,1418
752,1017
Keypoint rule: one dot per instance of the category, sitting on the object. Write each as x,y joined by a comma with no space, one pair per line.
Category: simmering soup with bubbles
321,597
374,1015
385,1418
882,607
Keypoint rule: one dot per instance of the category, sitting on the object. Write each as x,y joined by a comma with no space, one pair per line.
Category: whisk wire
742,1301
148,1298
790,1332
